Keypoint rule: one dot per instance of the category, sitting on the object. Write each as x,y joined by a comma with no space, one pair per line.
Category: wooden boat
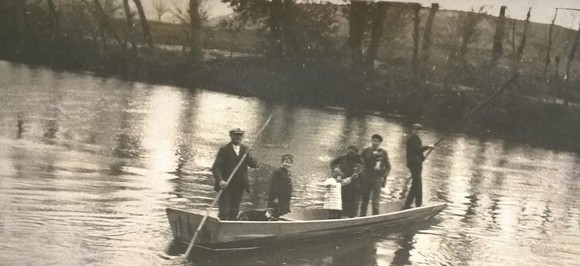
300,224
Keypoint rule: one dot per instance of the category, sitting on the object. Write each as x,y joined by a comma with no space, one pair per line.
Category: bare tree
130,26
376,36
468,30
569,64
497,50
144,23
195,27
53,21
182,15
104,22
19,16
161,8
549,48
416,40
427,33
276,46
358,11
513,40
522,46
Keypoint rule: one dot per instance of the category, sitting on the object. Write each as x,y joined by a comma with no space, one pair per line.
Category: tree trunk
290,43
427,33
416,40
522,46
376,36
549,49
53,21
20,25
358,12
569,65
144,23
129,17
195,28
276,42
498,38
104,22
513,43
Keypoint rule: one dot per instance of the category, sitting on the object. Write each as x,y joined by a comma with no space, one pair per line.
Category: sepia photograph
289,132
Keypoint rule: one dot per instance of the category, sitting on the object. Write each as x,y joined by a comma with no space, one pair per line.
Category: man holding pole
415,158
224,166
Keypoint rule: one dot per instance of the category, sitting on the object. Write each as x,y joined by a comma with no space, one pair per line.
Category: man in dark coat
376,169
281,188
345,166
415,159
226,160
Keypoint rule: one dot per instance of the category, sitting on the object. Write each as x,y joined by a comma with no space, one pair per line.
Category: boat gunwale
216,220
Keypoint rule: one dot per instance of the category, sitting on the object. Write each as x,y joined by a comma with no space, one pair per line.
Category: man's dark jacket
225,162
415,150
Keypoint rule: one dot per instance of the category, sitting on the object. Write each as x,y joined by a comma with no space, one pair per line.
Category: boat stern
184,223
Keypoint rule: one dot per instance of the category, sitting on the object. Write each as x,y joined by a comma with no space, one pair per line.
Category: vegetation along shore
422,63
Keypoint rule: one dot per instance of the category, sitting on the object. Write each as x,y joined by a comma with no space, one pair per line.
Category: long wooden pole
454,126
208,211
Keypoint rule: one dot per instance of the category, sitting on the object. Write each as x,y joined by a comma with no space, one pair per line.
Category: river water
89,164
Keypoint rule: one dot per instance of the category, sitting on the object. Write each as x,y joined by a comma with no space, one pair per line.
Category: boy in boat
377,168
333,195
281,188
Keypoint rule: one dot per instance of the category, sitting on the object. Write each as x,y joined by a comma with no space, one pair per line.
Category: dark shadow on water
357,249
405,239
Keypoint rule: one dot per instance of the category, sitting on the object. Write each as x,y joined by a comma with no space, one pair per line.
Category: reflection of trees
184,151
281,128
475,182
52,114
128,144
354,131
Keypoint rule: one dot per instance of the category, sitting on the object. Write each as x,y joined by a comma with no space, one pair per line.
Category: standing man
226,160
376,168
415,159
343,167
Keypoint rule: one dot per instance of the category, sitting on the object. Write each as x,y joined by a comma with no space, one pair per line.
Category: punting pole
454,126
191,243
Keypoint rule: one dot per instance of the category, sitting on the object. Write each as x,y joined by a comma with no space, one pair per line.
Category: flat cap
288,157
417,126
236,130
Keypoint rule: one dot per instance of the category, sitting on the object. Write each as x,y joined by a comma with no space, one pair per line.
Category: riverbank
512,116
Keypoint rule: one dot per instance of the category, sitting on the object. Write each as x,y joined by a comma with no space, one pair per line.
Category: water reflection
342,250
88,165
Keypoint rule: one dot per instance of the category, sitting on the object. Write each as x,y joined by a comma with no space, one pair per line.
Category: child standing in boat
281,188
333,195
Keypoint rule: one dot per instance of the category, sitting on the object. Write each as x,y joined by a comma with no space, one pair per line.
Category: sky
542,10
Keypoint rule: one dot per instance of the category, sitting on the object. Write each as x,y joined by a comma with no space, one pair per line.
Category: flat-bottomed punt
300,224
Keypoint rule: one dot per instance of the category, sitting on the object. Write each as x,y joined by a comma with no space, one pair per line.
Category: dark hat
377,136
287,157
417,126
353,147
236,130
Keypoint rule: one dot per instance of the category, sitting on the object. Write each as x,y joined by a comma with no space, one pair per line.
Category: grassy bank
528,112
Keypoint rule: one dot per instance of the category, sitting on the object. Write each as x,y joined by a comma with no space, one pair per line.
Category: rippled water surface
88,166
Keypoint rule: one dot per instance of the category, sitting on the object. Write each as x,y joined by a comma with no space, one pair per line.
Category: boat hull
301,225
